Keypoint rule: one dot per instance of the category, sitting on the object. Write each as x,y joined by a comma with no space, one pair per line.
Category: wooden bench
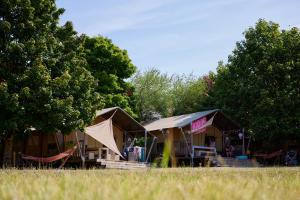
203,151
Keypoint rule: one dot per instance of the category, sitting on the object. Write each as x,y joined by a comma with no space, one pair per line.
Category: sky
176,36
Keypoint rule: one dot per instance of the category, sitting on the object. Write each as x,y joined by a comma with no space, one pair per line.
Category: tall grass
166,154
180,183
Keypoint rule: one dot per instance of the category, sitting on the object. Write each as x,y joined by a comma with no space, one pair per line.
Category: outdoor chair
291,158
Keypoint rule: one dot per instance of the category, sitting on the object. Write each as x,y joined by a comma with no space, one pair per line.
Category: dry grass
185,183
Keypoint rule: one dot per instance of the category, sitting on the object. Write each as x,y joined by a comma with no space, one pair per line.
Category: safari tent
112,130
190,135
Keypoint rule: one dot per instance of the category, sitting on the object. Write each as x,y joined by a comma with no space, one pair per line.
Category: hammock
51,159
270,155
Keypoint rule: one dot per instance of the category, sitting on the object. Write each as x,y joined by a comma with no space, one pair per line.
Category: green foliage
260,85
111,66
188,94
166,154
161,95
274,183
153,94
43,81
140,141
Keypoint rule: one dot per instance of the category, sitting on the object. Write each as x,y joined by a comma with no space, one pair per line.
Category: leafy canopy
260,84
110,66
160,95
43,80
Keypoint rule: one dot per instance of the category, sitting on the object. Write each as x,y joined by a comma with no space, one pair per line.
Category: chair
291,158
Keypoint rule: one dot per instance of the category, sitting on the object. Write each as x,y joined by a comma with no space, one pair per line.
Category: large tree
260,84
111,66
43,80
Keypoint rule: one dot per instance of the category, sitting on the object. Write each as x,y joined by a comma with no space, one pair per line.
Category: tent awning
177,121
103,133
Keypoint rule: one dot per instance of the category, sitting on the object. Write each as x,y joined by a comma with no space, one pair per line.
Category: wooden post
84,138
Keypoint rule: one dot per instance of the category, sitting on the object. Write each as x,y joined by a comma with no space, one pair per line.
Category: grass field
181,183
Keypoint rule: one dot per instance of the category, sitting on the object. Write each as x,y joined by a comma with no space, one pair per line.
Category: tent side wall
94,144
36,144
180,143
199,139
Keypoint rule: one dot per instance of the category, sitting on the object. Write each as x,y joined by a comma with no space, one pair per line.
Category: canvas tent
219,119
190,130
110,129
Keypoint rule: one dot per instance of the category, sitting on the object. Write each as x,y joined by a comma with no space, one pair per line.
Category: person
212,142
227,147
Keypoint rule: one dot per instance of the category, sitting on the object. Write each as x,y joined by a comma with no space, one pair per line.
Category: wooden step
110,164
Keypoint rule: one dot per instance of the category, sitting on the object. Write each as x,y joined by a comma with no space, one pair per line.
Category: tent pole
149,152
187,144
192,149
192,154
243,142
80,150
145,144
57,142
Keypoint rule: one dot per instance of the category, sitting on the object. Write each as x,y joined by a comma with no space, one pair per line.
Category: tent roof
121,119
177,121
220,120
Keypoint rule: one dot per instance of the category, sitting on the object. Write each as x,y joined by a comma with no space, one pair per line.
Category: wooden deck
111,164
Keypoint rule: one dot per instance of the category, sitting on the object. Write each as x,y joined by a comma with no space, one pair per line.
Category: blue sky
176,36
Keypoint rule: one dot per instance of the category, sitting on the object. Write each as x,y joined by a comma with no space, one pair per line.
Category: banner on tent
198,124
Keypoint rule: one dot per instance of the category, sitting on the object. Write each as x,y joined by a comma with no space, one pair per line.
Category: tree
111,66
43,80
162,95
153,94
188,94
260,84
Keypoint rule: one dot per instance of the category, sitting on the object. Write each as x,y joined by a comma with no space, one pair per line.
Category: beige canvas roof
177,121
103,132
121,119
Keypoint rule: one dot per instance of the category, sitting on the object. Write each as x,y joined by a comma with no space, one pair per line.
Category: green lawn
181,183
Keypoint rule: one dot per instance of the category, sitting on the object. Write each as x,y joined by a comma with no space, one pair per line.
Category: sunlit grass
181,183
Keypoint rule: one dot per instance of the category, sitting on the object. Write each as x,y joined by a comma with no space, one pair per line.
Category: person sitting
212,143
